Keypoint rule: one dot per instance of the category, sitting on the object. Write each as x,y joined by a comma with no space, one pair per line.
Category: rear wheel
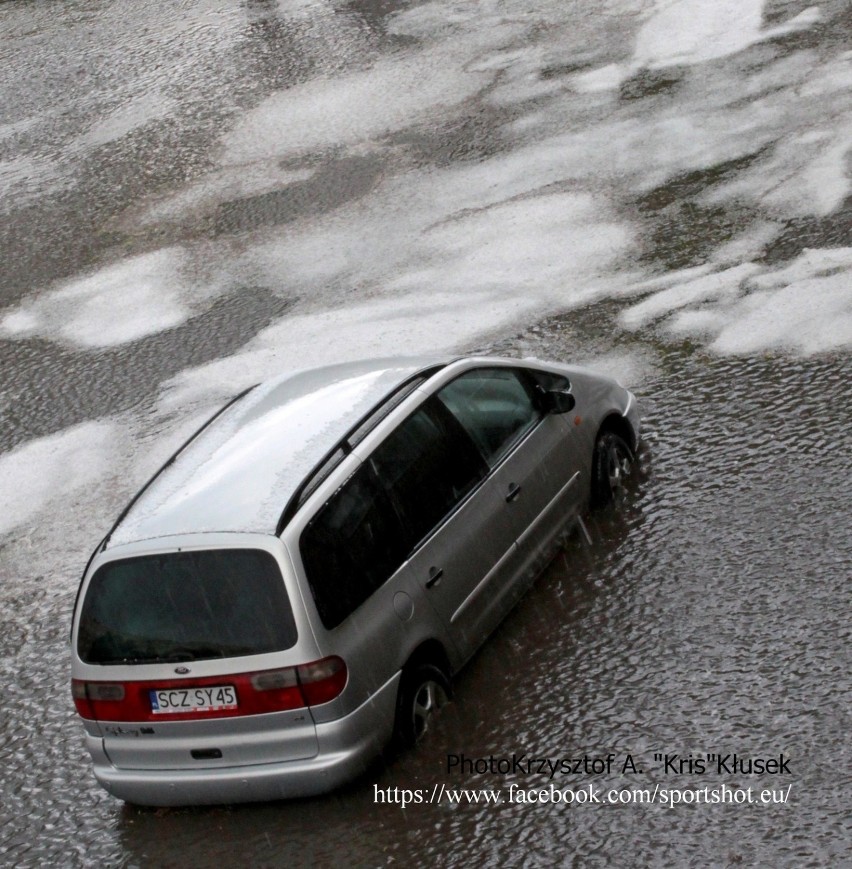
423,691
612,463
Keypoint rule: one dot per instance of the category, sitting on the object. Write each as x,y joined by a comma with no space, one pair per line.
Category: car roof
240,472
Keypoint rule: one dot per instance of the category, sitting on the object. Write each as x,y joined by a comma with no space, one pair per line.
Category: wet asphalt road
708,615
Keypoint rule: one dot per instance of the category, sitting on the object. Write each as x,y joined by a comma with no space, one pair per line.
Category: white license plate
209,699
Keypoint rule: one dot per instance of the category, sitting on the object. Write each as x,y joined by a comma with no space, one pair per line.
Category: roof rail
103,544
345,445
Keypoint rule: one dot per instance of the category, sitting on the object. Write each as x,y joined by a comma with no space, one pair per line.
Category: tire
612,463
424,689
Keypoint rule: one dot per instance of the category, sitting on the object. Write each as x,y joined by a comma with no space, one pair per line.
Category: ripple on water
710,614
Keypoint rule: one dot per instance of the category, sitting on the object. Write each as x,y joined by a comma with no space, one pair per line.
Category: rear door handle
514,491
435,574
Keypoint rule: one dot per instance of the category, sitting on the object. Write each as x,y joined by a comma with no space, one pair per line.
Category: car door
534,464
456,527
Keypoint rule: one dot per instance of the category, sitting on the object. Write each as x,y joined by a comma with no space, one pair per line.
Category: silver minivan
297,586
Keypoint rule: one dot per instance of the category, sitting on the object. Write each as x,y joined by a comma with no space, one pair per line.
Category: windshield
185,606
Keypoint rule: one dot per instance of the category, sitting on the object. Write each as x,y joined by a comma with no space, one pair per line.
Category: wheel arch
432,652
621,426
427,662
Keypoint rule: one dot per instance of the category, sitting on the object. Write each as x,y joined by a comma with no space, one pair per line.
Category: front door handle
435,574
514,491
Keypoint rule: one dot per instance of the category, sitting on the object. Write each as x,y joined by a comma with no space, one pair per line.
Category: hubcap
430,697
618,467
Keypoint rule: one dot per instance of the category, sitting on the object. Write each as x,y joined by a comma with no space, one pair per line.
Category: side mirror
554,391
558,400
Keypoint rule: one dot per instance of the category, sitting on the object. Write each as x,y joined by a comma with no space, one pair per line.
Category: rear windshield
185,606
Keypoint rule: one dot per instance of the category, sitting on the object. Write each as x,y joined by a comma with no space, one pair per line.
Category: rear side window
351,547
362,535
185,606
493,406
427,466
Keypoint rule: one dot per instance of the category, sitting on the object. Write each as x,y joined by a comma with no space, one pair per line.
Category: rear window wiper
146,659
182,653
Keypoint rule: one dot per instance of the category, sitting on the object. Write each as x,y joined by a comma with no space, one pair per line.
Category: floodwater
709,614
660,191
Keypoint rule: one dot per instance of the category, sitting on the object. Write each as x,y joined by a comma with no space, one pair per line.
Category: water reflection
707,615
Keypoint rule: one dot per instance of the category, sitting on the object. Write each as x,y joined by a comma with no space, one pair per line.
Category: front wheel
424,690
612,462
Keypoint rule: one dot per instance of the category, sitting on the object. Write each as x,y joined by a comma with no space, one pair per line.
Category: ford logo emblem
182,670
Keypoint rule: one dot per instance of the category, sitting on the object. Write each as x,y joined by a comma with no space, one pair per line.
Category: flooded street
660,191
711,615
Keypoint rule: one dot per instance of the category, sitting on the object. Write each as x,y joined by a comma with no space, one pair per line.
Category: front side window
185,606
351,547
493,406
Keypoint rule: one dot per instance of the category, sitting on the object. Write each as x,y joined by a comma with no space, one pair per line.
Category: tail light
305,685
86,694
322,681
263,691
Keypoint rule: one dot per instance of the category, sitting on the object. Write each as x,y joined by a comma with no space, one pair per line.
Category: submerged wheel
424,689
612,462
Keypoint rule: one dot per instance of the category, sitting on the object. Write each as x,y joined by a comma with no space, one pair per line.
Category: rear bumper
346,748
